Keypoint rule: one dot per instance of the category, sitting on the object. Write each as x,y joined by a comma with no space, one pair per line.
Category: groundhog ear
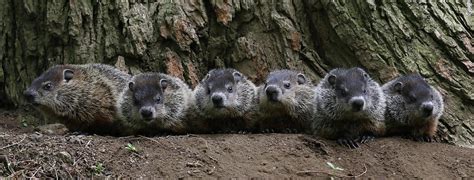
164,83
237,76
206,77
398,87
301,79
130,85
68,74
332,79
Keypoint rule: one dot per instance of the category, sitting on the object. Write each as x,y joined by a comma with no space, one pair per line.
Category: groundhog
285,102
413,107
225,101
349,107
156,103
82,97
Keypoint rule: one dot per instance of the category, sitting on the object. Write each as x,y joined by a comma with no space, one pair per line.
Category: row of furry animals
346,105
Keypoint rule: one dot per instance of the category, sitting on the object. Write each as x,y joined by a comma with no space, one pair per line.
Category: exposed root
14,144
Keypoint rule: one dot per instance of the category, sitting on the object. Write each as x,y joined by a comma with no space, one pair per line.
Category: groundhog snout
272,93
357,103
427,109
30,96
146,113
218,100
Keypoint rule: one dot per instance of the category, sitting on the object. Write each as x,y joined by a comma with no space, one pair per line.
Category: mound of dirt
25,153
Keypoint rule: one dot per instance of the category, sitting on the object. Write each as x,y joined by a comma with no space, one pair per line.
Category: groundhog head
281,84
148,95
418,96
350,87
222,90
49,90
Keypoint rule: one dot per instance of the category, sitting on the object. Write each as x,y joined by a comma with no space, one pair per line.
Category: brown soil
26,153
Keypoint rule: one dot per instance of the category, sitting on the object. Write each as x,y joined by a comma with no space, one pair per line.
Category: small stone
36,137
65,156
52,129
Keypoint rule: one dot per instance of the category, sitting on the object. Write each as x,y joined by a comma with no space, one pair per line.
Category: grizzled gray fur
83,97
413,107
349,106
156,103
285,102
224,101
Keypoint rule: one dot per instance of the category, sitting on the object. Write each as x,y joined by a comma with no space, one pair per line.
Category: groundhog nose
146,114
427,109
272,93
357,104
30,96
217,100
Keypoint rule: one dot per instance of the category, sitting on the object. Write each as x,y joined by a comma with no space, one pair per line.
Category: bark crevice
187,38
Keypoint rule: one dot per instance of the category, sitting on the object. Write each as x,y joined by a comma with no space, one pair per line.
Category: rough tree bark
186,38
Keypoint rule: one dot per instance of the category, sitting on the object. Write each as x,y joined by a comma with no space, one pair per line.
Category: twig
212,170
55,170
14,144
67,171
365,171
342,176
14,174
75,161
6,163
314,172
87,144
34,174
151,139
130,137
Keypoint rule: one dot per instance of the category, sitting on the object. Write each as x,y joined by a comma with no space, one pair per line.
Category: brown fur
87,102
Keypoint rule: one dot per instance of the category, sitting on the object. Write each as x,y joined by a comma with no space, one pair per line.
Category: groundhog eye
229,89
343,93
48,86
158,100
287,85
135,101
365,91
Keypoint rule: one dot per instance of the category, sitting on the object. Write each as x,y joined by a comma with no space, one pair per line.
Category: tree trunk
187,38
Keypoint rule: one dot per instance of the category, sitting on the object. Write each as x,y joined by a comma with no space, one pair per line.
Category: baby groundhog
413,107
155,103
83,97
225,101
349,107
285,102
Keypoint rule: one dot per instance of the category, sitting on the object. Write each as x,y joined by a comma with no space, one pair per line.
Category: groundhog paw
290,131
268,131
350,143
365,139
242,132
424,138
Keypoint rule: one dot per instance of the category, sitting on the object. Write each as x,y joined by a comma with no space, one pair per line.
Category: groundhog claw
348,143
365,139
423,138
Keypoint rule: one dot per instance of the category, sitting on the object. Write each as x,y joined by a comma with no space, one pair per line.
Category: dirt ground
26,153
